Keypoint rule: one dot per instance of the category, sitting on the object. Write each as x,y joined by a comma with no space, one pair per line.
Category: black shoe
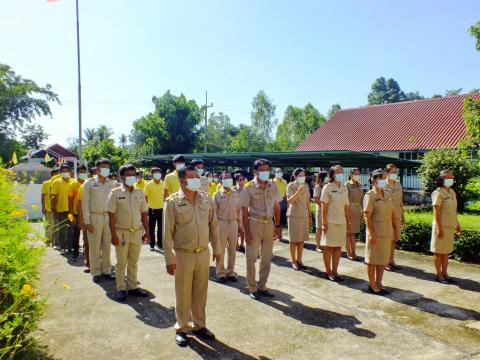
96,279
108,276
265,293
121,295
254,295
232,278
152,248
181,339
138,292
221,280
441,281
204,334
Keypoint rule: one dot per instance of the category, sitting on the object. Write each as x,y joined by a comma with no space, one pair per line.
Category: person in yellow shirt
47,206
154,196
282,193
141,183
73,189
172,183
60,208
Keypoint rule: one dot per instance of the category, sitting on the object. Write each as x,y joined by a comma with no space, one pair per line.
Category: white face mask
130,180
448,182
301,179
104,172
227,183
179,166
157,176
393,176
210,179
65,175
264,175
279,175
382,183
356,178
339,178
82,176
200,172
193,184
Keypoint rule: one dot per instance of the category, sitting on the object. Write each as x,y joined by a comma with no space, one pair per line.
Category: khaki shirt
260,202
95,197
447,200
355,194
298,209
381,208
397,192
317,192
205,184
227,205
336,198
127,206
188,226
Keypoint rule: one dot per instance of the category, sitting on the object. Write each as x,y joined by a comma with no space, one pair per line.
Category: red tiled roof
60,150
410,125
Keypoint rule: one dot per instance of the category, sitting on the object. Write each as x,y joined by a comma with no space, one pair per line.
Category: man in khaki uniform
127,210
227,207
95,217
260,203
189,223
200,166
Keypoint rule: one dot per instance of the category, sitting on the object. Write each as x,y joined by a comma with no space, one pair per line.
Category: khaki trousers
99,245
191,285
228,235
262,240
49,223
128,252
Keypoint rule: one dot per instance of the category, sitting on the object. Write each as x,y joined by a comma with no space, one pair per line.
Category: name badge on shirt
181,205
121,198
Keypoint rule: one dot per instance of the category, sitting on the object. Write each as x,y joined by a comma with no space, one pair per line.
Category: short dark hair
125,168
331,173
239,175
112,174
196,162
375,174
296,172
139,172
260,162
93,169
225,173
82,167
54,171
182,173
64,166
102,161
154,170
440,182
178,158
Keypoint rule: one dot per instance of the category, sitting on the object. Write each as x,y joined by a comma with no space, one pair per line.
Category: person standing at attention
282,193
73,190
240,184
154,191
355,197
335,221
172,183
260,205
299,216
317,192
47,206
141,183
60,208
190,223
200,166
445,225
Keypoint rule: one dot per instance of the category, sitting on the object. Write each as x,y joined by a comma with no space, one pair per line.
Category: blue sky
322,52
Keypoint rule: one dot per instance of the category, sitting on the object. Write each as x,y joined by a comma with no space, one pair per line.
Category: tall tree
414,95
246,140
385,91
33,136
474,30
453,92
220,131
263,116
333,110
123,141
90,134
103,132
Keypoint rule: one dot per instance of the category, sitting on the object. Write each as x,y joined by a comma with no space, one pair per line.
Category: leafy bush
20,305
458,161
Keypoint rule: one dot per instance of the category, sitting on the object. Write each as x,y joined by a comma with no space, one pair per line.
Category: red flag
52,1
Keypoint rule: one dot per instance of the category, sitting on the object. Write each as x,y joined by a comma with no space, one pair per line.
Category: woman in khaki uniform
299,216
317,192
445,224
378,207
240,184
355,199
335,221
396,188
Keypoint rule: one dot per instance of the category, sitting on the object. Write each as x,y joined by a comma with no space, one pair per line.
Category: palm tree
104,133
90,134
123,140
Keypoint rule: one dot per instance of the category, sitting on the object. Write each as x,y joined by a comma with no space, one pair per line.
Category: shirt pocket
183,215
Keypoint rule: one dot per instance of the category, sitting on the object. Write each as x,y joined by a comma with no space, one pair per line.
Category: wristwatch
278,225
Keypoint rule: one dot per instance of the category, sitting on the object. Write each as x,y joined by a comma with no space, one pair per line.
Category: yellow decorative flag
47,158
14,158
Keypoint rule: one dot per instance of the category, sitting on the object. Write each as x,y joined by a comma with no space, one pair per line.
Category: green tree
103,132
458,161
90,134
414,95
220,131
246,140
471,116
453,92
333,110
385,91
94,150
33,136
474,30
123,141
263,116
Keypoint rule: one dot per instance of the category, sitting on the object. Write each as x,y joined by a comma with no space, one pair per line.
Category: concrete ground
309,318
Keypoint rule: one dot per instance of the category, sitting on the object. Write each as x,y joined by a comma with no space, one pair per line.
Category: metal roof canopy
290,159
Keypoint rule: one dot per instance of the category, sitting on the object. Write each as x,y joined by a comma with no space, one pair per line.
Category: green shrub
20,305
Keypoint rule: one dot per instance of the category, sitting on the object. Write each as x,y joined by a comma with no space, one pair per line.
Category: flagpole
79,90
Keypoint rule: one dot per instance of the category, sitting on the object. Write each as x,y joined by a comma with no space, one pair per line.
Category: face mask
157,176
130,180
264,175
339,178
301,179
104,172
448,182
179,166
279,175
356,178
200,172
210,179
215,180
227,183
193,184
382,183
65,175
82,176
393,176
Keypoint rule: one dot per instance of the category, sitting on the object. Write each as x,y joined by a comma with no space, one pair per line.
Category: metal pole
206,120
79,91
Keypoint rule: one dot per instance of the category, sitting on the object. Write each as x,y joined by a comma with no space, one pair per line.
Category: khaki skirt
398,228
355,218
298,229
378,254
336,235
442,246
318,219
